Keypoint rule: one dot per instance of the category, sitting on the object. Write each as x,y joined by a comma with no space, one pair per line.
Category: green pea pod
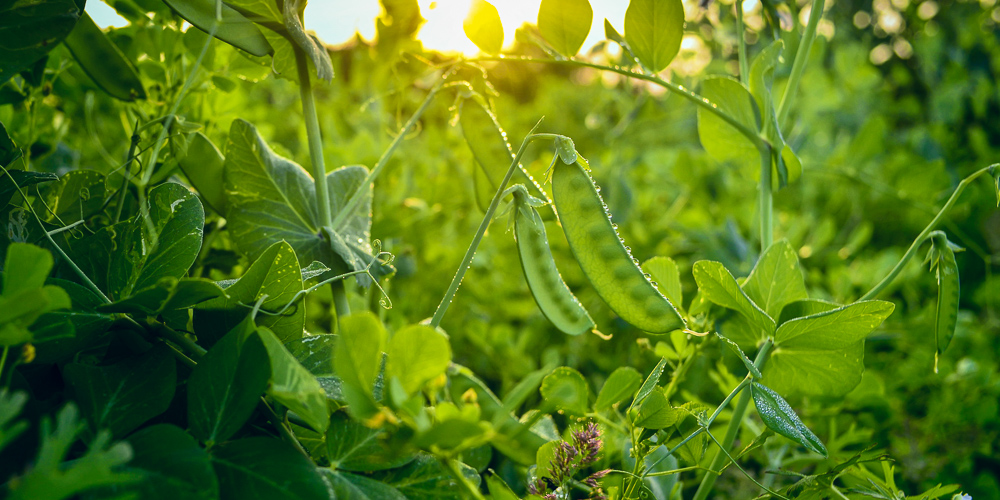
946,317
103,61
202,164
553,297
602,255
492,153
235,29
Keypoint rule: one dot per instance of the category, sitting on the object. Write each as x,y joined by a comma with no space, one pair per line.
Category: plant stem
356,196
449,295
801,58
315,139
910,252
741,44
452,465
340,304
128,168
766,200
735,422
282,428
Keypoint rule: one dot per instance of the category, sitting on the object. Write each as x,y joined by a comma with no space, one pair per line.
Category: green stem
3,361
910,252
340,304
741,44
449,295
356,196
735,422
282,428
315,139
801,58
766,200
452,465
128,168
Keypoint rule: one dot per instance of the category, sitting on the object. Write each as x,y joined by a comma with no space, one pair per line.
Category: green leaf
23,178
226,385
123,396
416,355
173,465
805,307
25,268
667,278
235,29
723,141
10,407
815,372
203,165
355,447
565,24
87,326
358,356
293,386
524,389
103,61
168,294
482,25
353,486
426,479
498,488
276,274
266,469
786,166
781,418
25,297
653,29
835,329
316,354
776,280
620,385
719,286
29,30
77,195
650,383
566,390
733,346
656,412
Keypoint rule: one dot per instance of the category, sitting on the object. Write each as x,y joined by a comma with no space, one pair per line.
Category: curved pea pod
202,163
103,62
946,315
605,260
551,293
492,152
235,29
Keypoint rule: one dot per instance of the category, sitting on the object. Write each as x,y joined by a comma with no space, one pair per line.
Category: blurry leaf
612,34
29,30
293,386
656,412
565,24
524,389
482,25
667,277
426,479
654,29
355,447
416,355
620,385
361,341
22,177
723,141
202,163
566,149
309,44
77,195
776,280
498,488
356,487
103,61
719,286
173,463
123,396
234,29
316,354
11,405
266,469
313,270
168,294
781,418
566,390
226,385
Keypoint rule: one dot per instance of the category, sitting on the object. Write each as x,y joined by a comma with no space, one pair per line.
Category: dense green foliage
227,261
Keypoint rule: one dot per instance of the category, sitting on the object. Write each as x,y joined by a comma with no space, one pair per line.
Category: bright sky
336,21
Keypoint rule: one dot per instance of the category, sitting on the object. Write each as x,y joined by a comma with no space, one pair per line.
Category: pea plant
203,322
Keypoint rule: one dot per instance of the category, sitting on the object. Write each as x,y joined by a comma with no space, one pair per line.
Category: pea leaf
123,396
806,307
776,279
620,385
168,294
482,25
565,24
354,486
353,446
426,479
719,286
316,354
416,355
720,139
815,372
834,329
781,418
225,386
293,386
656,412
667,278
29,30
358,356
266,469
566,390
651,382
653,29
173,464
23,178
77,195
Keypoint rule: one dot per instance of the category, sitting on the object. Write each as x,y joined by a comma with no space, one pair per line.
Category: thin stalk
356,196
745,473
3,360
741,44
801,58
282,428
910,252
471,252
340,304
128,170
735,422
452,465
766,200
315,139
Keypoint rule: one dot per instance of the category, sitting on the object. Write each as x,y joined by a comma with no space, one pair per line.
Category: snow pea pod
235,29
946,315
604,258
551,293
103,62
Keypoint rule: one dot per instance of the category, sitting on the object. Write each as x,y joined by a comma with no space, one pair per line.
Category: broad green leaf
29,30
416,355
356,487
806,307
226,385
20,310
620,385
276,273
426,479
353,446
293,386
776,280
656,412
653,29
835,329
719,286
235,29
667,278
566,390
25,268
173,465
316,354
77,195
565,24
88,326
23,178
123,396
498,488
103,61
203,164
454,434
482,25
781,418
361,341
723,141
168,294
266,469
650,383
815,372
